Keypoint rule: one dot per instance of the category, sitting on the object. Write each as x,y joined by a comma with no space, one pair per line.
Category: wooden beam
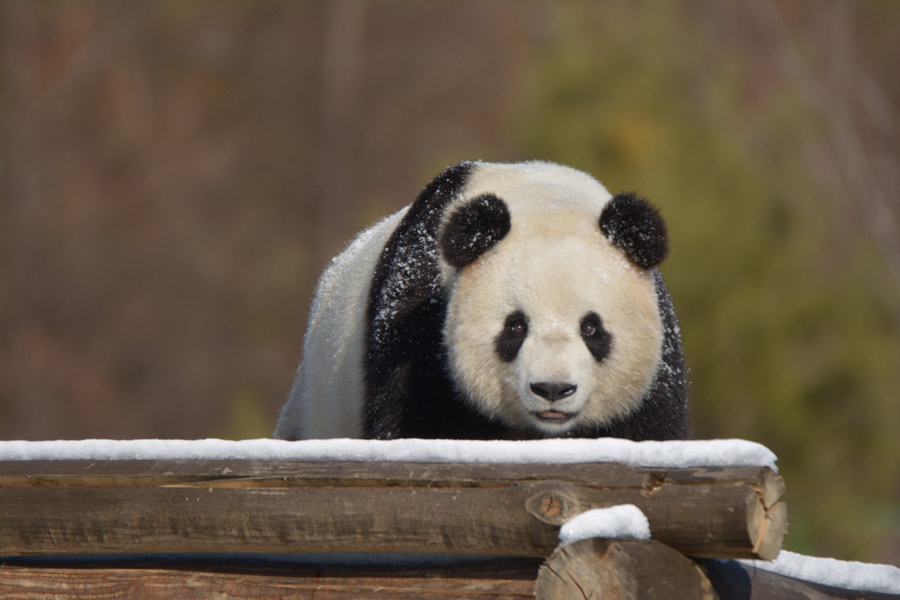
611,562
621,570
488,580
59,507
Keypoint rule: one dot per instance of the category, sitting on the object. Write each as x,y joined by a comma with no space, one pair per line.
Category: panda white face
554,327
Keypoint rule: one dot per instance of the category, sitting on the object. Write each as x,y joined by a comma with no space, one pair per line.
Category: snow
625,521
831,572
673,454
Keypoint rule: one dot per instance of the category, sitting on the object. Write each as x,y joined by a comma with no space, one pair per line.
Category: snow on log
797,576
625,521
672,454
835,573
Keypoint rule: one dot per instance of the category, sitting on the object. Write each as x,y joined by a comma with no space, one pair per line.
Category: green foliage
788,315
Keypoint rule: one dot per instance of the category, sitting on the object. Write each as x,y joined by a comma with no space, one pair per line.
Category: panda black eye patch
511,337
597,339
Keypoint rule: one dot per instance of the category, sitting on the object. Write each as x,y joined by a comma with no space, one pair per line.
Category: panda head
552,313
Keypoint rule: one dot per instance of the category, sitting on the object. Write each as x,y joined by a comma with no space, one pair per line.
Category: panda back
327,396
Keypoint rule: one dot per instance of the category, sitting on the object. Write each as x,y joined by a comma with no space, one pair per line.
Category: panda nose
553,391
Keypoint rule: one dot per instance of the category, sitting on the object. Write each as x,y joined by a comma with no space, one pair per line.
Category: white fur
556,266
326,399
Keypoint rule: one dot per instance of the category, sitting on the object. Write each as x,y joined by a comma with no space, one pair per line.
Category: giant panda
509,301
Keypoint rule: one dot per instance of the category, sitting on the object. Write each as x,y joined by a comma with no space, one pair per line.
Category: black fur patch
597,339
473,229
409,392
635,227
512,336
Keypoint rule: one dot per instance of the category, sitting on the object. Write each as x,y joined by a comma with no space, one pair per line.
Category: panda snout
553,391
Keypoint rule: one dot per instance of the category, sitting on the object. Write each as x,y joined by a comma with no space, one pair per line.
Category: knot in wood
553,503
551,506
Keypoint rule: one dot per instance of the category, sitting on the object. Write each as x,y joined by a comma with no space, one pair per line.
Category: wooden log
489,580
57,507
733,579
621,570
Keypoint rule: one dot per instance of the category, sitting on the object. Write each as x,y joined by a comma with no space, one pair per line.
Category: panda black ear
473,229
635,227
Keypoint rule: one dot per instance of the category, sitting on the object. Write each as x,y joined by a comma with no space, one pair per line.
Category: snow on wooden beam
739,579
286,506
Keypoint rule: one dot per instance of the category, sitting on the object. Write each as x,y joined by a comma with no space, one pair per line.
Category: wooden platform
236,528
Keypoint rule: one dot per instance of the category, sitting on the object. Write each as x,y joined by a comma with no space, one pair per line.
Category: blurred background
175,175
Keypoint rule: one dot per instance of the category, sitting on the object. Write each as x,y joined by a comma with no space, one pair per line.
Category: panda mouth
554,416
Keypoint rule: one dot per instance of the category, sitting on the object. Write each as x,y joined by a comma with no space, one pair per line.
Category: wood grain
57,507
621,570
493,580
